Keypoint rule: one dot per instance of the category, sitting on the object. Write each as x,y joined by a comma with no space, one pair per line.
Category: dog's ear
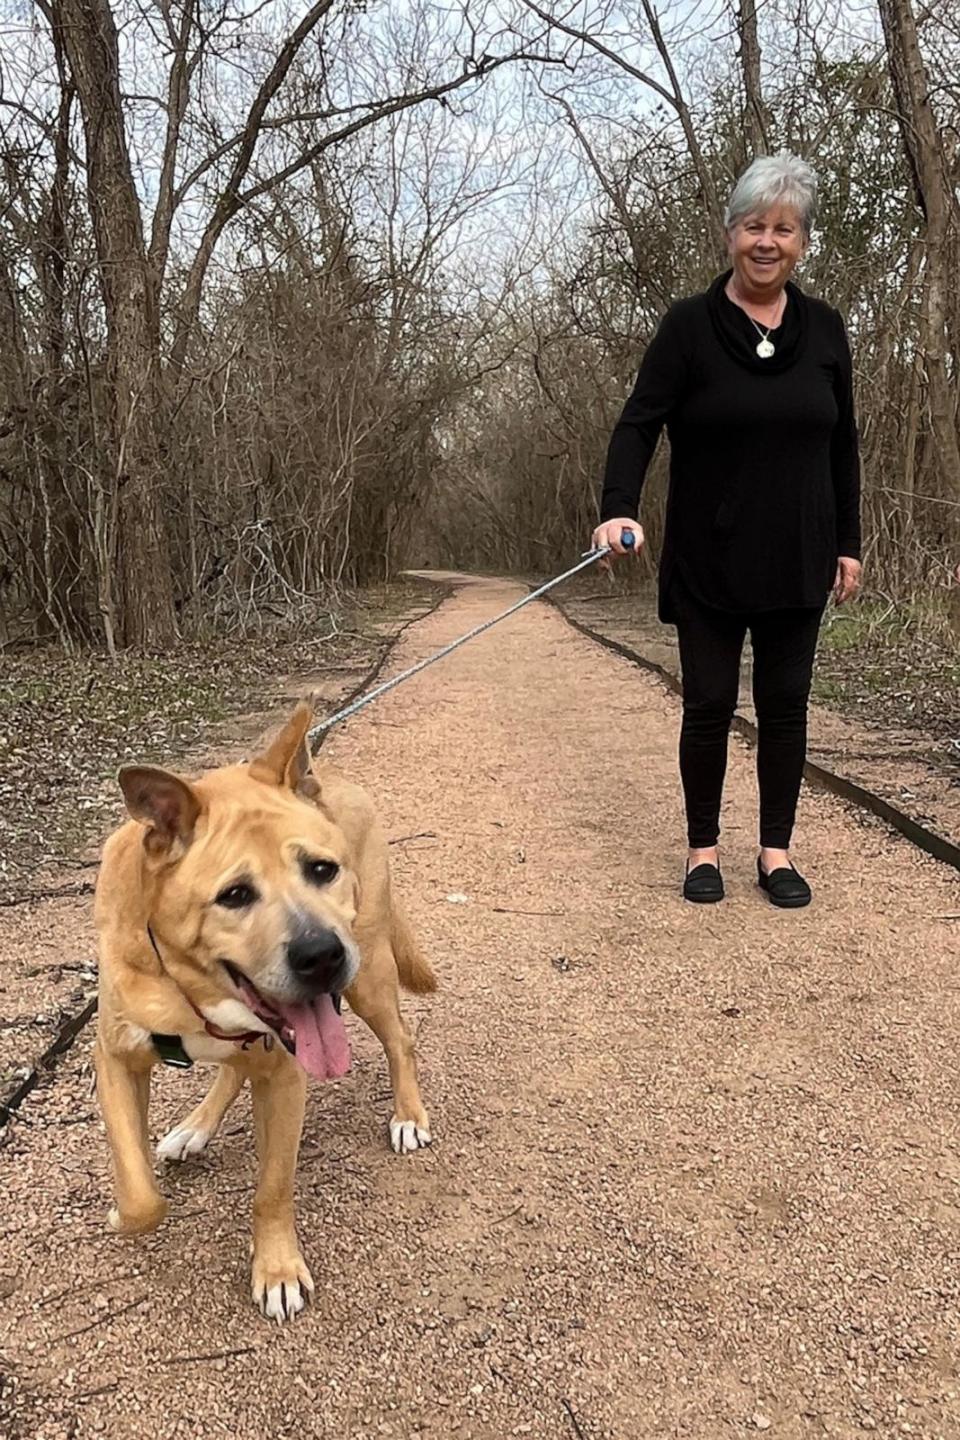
286,758
164,802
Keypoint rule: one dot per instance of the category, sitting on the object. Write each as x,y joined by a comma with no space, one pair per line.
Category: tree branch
674,98
229,201
232,200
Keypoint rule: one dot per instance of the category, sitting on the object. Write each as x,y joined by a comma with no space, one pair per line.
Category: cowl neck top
739,338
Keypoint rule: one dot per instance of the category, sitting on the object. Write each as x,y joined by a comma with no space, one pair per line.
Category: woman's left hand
847,582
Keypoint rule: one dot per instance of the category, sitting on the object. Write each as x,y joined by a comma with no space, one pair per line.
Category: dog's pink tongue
320,1035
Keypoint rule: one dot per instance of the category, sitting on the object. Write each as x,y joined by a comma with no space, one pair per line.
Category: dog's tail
412,965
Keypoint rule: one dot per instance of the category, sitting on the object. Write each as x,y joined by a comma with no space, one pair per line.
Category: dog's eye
237,897
320,872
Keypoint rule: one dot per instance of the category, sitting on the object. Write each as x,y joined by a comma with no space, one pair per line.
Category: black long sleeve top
764,491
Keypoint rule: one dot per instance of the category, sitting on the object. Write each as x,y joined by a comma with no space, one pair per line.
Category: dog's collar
171,1051
170,1047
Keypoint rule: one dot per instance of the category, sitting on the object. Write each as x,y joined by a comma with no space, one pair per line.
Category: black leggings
711,642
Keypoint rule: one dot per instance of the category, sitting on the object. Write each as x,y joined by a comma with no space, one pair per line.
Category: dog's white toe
182,1141
282,1302
281,1290
407,1136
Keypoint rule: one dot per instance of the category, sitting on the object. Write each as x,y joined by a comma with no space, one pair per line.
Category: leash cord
590,557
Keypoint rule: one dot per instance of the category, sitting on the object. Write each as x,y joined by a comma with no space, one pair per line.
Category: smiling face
764,250
252,901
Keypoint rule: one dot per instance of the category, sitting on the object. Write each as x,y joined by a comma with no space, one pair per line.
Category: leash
589,557
170,1048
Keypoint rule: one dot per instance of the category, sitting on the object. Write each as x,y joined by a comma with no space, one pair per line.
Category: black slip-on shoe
703,884
784,887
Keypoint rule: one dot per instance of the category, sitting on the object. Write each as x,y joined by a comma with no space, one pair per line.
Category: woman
753,381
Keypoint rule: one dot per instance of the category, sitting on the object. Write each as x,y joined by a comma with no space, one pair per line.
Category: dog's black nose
316,956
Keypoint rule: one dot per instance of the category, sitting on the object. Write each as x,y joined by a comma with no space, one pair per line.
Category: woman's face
765,249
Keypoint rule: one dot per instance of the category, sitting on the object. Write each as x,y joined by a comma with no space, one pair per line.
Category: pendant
765,349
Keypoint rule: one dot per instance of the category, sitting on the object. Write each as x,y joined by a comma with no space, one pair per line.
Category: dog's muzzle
318,959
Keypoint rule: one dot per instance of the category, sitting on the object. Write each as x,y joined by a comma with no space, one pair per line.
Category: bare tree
756,118
935,193
671,94
284,301
146,382
131,298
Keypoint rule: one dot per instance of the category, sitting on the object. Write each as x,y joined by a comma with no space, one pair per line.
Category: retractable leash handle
628,539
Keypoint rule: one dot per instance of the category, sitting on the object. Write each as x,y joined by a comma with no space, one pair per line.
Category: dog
232,912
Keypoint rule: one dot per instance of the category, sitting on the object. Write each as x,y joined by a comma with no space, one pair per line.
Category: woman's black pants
711,643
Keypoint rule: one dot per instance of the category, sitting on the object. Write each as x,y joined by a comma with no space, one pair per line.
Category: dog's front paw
280,1288
409,1135
139,1220
183,1140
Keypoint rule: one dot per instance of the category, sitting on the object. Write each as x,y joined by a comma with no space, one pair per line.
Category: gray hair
774,179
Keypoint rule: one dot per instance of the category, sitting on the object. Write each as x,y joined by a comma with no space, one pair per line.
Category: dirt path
914,768
696,1171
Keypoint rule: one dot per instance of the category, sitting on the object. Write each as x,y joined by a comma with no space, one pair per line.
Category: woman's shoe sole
799,903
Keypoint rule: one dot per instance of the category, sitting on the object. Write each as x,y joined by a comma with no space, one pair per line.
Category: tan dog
232,911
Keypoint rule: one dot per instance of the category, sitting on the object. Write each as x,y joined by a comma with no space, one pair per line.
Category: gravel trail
696,1170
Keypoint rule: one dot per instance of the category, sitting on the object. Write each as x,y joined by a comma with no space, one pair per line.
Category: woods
289,299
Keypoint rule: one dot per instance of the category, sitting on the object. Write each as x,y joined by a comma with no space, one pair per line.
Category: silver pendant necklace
765,346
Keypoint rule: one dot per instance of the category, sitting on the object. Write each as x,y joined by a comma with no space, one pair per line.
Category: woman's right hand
609,533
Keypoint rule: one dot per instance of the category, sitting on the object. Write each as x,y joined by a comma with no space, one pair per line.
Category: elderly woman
753,381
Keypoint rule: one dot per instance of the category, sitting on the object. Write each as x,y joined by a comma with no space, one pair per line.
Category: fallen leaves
68,722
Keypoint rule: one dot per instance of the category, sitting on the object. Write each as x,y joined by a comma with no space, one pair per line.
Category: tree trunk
756,119
131,303
935,199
